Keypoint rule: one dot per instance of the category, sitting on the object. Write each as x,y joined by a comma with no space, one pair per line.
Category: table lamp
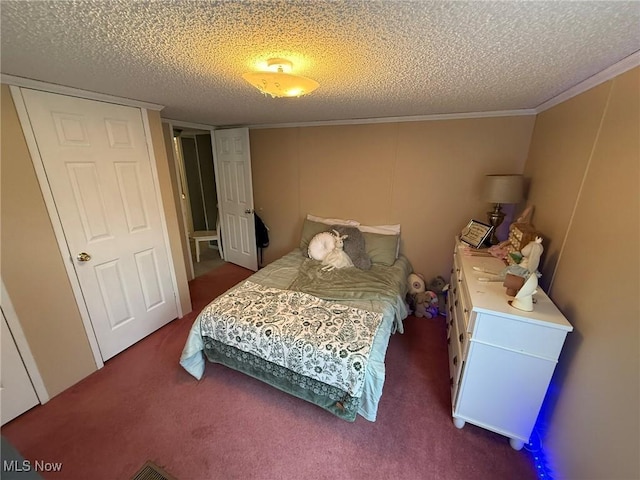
499,189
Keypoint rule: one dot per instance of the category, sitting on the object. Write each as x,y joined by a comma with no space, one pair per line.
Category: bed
321,336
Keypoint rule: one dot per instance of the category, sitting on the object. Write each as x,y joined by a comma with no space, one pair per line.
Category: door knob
83,257
248,211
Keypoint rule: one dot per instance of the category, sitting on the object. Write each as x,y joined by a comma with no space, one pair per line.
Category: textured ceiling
372,58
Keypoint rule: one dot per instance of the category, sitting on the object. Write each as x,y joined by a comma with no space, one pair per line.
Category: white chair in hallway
207,236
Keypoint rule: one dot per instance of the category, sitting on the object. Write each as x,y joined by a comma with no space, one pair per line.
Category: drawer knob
455,360
461,337
456,303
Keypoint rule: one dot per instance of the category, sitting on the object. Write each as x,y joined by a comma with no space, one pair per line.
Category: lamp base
496,217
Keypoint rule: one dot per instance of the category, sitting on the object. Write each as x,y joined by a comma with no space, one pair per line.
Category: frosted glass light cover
278,82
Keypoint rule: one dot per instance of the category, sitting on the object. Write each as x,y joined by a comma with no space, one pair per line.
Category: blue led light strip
534,447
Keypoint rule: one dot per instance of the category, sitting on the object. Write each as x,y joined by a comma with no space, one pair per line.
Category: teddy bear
440,286
426,304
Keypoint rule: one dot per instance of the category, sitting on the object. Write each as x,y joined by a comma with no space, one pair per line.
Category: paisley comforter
321,336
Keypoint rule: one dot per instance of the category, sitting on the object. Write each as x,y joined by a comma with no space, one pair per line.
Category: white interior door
235,196
99,172
17,394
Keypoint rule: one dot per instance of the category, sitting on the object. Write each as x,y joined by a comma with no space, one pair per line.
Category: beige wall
564,137
427,176
592,143
32,267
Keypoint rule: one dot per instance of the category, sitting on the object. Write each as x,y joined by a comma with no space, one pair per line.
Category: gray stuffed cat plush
354,246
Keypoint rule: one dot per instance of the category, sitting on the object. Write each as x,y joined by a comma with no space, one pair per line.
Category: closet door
99,173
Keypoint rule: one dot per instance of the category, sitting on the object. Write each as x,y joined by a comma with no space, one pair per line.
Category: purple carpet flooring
143,406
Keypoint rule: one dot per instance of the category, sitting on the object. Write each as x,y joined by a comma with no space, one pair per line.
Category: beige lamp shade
503,188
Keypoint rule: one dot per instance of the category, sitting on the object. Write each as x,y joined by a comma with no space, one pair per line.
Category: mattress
321,336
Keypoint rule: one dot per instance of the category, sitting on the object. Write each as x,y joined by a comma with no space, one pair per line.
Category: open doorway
197,183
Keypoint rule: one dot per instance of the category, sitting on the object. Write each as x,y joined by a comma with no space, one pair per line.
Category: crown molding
75,92
614,70
181,124
412,118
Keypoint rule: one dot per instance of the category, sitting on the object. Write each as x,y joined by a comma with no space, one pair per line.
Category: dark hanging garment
262,236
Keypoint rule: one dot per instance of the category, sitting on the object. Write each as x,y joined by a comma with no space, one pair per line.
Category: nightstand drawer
519,336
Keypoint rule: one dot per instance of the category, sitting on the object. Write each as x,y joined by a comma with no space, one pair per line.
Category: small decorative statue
524,297
531,254
529,263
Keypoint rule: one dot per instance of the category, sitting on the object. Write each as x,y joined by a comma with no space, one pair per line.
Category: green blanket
379,283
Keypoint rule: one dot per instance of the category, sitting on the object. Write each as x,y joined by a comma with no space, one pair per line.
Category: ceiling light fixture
278,82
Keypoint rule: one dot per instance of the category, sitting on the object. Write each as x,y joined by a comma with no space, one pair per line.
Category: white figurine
524,297
531,254
529,264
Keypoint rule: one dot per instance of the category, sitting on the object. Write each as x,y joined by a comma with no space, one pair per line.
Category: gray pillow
354,246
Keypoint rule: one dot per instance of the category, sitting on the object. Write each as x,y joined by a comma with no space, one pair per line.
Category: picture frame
475,233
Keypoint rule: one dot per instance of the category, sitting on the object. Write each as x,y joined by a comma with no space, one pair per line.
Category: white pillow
332,221
320,245
381,229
